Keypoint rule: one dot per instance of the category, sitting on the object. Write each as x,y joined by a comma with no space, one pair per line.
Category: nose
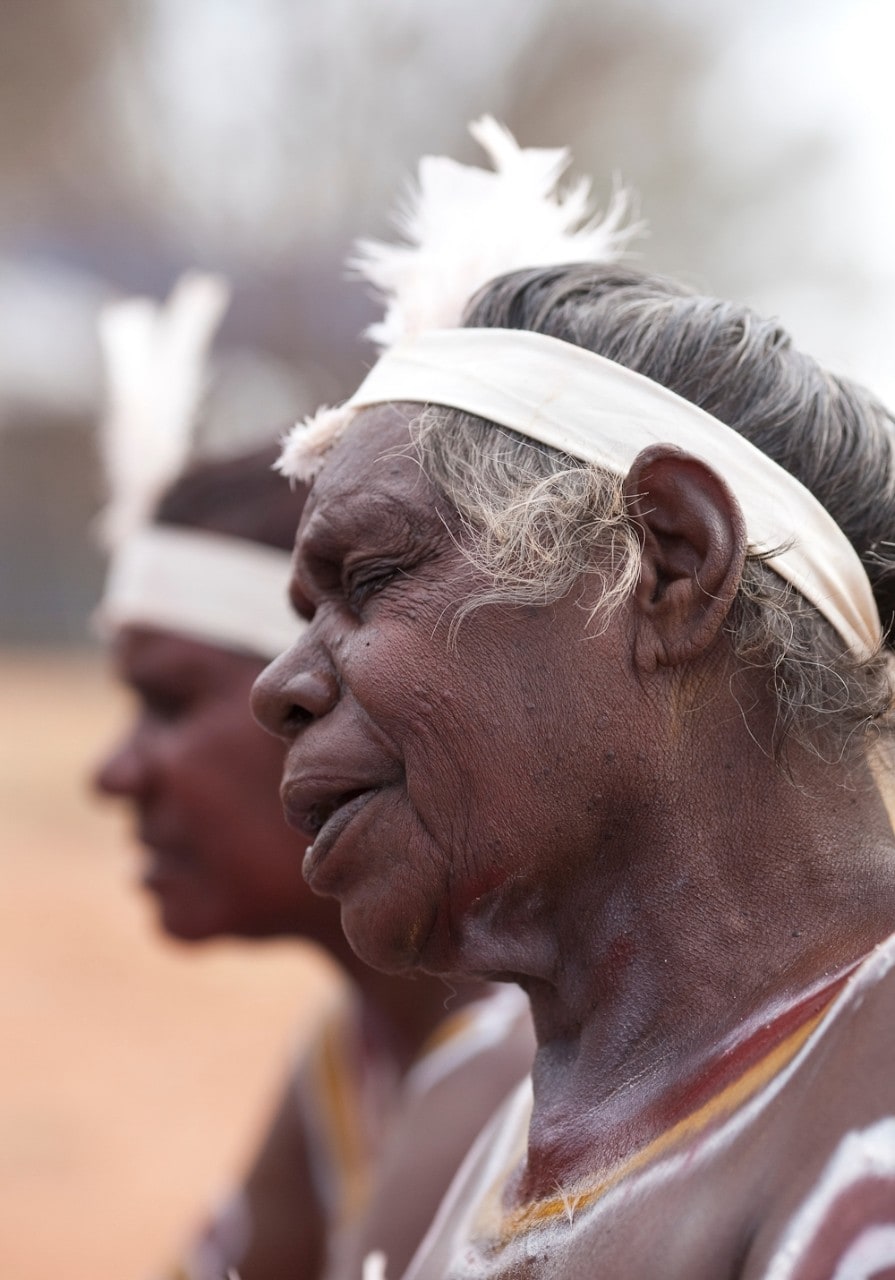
292,692
122,772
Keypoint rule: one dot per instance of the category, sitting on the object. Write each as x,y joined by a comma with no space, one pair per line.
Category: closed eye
164,705
366,581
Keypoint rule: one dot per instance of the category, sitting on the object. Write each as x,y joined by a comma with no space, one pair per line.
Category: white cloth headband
598,411
223,590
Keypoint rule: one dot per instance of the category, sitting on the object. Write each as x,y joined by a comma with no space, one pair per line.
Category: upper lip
154,837
310,801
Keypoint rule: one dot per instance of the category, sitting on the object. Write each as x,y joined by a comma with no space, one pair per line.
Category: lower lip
330,832
161,868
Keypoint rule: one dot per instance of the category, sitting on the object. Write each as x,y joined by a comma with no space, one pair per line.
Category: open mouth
317,816
324,820
315,809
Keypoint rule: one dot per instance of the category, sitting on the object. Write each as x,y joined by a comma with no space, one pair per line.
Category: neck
665,946
406,1010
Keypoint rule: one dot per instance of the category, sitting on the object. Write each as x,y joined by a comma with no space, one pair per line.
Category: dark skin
202,781
589,814
188,732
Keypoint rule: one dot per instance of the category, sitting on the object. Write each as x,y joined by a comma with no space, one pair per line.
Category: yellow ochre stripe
450,1028
542,1212
340,1090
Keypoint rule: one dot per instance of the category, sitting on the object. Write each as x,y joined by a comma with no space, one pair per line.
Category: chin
190,922
395,947
174,925
183,920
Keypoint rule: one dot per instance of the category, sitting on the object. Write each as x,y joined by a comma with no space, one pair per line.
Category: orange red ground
133,1074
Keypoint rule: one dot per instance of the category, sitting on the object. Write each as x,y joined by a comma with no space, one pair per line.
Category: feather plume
463,226
155,357
305,444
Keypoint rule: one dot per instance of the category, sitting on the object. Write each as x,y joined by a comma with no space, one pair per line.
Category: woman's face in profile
202,780
439,780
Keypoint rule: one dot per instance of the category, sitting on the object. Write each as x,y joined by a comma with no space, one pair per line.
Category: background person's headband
228,592
223,590
553,391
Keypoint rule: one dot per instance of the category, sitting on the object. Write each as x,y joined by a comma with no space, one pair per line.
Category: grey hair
534,519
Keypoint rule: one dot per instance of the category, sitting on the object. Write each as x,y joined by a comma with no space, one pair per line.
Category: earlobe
693,546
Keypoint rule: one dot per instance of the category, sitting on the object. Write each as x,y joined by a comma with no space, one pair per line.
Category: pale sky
811,242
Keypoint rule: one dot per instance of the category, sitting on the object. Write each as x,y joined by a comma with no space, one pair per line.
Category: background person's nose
120,772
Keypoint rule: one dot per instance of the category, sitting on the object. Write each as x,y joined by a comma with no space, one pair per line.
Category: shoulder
848,1068
832,1205
495,1030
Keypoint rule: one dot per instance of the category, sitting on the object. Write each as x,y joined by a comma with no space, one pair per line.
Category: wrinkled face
444,784
202,780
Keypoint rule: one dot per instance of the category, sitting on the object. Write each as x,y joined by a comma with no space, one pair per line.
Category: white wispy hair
462,227
155,357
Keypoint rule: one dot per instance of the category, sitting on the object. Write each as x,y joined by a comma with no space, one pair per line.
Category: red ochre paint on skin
480,888
746,1050
708,1097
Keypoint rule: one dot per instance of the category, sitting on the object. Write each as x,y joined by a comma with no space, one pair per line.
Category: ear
693,548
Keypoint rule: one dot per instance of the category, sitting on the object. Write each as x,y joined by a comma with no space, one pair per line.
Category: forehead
369,477
147,653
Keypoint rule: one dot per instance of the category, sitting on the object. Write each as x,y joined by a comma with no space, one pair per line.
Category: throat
411,1010
652,1104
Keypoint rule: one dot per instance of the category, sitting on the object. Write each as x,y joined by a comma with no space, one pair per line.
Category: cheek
467,738
216,778
498,761
252,761
432,722
493,734
228,745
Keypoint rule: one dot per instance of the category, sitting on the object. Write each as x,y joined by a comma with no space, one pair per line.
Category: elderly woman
195,604
599,586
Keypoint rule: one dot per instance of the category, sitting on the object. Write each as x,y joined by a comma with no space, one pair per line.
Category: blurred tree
139,137
50,57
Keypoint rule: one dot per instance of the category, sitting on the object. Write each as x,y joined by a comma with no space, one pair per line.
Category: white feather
305,444
155,356
463,226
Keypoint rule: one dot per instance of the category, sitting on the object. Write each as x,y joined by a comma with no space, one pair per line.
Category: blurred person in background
195,604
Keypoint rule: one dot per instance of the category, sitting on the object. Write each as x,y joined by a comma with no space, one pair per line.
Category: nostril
295,719
310,695
284,702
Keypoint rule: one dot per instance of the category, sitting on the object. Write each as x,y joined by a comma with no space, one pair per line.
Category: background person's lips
163,844
161,866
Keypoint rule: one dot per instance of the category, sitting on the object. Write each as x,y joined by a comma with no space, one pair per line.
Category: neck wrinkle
636,1004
